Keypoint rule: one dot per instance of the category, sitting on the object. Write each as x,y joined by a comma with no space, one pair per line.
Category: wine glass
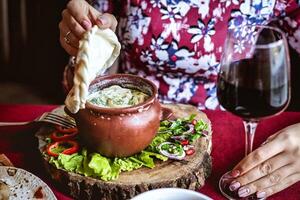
254,80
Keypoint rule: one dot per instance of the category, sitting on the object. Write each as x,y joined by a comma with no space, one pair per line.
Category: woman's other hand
77,18
272,167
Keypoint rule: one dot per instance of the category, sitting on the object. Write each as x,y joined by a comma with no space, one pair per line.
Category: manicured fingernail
243,192
261,195
102,20
235,173
234,185
86,24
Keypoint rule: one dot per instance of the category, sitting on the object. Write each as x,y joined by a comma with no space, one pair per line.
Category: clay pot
120,132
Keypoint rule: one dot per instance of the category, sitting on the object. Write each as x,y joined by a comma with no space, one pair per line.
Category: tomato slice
194,122
184,142
190,152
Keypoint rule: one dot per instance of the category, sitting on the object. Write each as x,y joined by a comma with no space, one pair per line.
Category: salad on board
174,140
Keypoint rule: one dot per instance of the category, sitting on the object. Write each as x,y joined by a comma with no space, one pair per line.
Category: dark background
33,57
295,81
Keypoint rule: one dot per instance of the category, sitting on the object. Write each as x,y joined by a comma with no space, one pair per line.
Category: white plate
171,194
24,185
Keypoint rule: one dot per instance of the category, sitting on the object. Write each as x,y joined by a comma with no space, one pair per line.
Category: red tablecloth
19,144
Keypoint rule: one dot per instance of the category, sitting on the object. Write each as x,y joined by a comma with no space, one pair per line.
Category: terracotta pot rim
132,109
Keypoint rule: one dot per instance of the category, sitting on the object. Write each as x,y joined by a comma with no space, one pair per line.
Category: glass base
224,183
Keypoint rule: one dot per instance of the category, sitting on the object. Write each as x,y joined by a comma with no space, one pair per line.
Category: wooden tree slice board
189,173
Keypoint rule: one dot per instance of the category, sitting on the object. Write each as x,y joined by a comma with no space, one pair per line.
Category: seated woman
177,44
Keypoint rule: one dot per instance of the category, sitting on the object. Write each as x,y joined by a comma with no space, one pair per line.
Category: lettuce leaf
85,169
68,162
55,162
97,166
127,164
147,159
100,166
159,138
115,171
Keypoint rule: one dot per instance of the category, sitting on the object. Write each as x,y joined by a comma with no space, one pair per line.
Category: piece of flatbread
4,191
98,50
4,161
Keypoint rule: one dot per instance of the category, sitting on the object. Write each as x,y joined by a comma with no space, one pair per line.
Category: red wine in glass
249,100
254,81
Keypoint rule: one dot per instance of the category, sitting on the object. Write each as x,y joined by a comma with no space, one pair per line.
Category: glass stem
250,127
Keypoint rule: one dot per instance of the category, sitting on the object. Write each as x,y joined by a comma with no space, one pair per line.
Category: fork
46,117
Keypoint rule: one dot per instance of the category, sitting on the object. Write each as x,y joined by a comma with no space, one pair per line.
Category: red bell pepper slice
69,147
65,130
58,136
62,134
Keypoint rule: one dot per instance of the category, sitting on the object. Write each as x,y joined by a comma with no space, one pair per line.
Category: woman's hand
77,18
270,168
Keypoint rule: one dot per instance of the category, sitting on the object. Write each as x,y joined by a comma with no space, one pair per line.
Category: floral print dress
178,43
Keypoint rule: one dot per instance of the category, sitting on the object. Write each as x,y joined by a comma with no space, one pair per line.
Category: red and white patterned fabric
178,44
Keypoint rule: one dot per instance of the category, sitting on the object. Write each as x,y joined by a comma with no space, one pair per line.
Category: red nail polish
235,173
